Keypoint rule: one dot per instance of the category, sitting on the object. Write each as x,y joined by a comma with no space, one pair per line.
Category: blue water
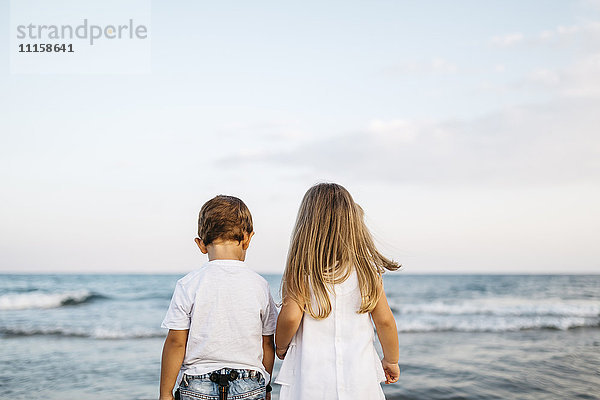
461,336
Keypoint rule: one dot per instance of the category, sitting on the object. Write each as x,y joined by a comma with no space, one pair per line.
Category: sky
467,130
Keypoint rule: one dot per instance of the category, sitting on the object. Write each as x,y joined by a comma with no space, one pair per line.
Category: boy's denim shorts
249,385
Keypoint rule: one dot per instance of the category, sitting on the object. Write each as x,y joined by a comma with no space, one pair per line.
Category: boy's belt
242,373
223,381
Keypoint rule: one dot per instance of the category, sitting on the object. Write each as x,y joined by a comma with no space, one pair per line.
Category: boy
222,317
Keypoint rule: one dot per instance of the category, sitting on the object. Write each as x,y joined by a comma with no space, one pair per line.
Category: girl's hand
281,352
168,397
392,371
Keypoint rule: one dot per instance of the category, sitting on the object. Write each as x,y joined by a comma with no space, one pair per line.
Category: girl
331,284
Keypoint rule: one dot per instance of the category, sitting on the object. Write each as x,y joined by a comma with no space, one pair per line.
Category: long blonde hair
329,239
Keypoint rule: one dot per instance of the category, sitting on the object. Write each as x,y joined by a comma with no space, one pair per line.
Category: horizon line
387,273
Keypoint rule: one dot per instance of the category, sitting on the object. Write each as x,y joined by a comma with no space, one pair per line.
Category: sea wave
496,325
503,314
98,333
504,307
23,301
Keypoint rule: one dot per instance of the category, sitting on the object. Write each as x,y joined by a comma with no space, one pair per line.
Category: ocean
461,336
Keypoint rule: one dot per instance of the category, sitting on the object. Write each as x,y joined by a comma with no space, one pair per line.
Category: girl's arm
172,357
388,337
288,322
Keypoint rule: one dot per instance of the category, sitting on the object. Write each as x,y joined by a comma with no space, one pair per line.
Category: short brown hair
224,217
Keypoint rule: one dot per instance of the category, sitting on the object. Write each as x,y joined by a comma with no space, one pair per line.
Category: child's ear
201,245
246,241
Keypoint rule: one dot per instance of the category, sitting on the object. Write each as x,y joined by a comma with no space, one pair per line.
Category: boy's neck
226,251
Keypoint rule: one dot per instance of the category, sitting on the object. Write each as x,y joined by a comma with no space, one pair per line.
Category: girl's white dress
334,358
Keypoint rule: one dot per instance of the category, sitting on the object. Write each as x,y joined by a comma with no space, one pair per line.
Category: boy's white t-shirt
227,308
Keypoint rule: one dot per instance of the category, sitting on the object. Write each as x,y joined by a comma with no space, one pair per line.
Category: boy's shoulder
212,268
190,276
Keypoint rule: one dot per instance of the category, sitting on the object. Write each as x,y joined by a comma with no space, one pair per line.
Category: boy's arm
388,337
288,322
268,345
172,358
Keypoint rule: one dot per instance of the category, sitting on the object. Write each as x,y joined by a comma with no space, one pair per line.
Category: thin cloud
544,76
507,40
394,131
581,79
554,143
434,66
589,31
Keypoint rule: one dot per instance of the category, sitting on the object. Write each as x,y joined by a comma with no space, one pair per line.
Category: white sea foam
91,332
103,333
493,324
23,301
505,307
497,315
